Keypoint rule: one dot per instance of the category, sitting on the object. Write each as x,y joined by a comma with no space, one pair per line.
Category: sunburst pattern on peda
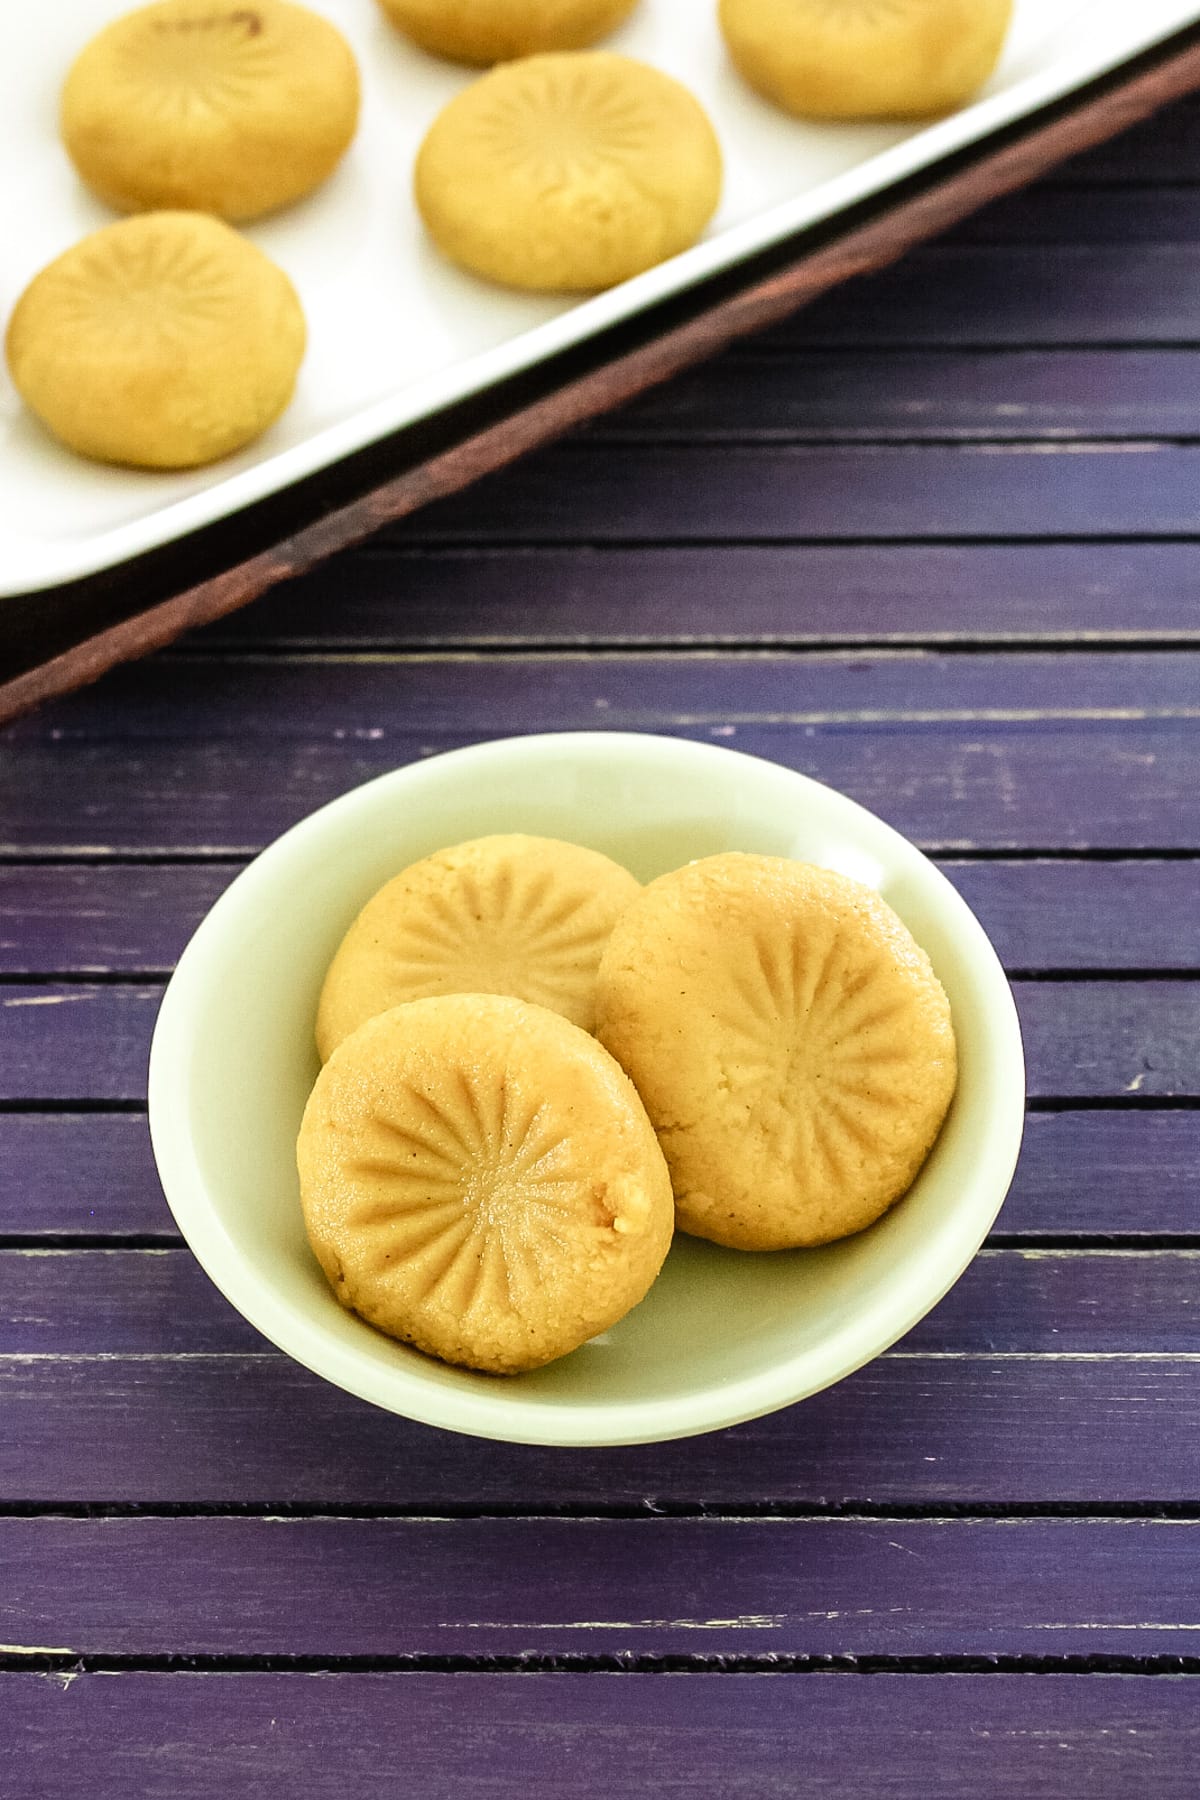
479,1191
568,173
520,932
554,126
834,1042
164,341
480,1179
491,31
194,61
230,109
866,58
508,914
790,1040
159,287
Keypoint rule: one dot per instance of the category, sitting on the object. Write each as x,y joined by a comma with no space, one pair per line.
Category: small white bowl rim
502,1415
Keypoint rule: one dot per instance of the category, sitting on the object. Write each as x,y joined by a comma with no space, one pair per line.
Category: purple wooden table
936,542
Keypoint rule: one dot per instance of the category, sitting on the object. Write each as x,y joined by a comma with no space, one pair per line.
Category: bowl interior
722,1335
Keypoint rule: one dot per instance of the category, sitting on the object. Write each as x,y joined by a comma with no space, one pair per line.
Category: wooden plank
362,700
762,594
994,751
876,395
920,1429
1102,1173
76,1042
115,1301
1095,1174
79,1175
631,1737
67,918
1083,1040
158,1302
1066,210
126,918
1072,915
581,492
980,785
331,1588
1102,1039
1024,294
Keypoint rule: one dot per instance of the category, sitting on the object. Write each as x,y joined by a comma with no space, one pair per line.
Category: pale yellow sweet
790,1040
866,59
163,341
234,110
508,914
568,173
479,1179
491,31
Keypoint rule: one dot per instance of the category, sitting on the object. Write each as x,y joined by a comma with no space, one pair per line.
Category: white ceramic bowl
722,1336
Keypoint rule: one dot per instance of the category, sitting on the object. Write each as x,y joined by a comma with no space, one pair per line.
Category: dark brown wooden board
60,639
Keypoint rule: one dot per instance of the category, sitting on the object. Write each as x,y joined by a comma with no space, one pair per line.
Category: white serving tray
395,332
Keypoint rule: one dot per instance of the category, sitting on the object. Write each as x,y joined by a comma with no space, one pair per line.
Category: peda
491,31
866,59
791,1043
234,110
568,173
480,1180
508,914
163,341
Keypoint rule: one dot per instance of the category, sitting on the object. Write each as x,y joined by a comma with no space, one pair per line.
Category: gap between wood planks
411,547
66,1663
939,1512
902,648
778,348
724,724
1069,180
783,438
269,650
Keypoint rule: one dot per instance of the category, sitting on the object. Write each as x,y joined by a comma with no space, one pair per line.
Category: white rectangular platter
395,334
